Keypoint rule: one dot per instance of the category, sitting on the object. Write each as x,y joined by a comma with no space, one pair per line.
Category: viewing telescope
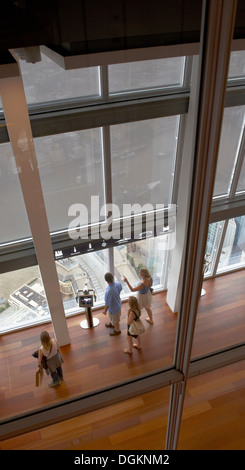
85,299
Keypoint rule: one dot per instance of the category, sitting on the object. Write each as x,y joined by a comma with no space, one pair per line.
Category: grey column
217,32
20,135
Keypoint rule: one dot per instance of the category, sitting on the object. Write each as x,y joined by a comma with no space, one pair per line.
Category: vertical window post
217,32
20,134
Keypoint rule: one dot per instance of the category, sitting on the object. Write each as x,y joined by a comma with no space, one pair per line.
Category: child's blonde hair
46,340
133,303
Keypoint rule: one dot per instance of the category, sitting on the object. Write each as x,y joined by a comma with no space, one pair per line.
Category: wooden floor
94,359
213,419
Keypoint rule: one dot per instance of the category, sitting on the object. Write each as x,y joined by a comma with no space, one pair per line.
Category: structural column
20,135
217,32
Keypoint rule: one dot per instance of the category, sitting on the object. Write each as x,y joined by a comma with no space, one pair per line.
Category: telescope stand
90,322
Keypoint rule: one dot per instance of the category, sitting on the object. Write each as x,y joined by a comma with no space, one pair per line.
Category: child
50,350
133,313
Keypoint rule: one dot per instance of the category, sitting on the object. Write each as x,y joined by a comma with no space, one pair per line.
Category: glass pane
241,182
213,241
14,221
110,427
220,313
213,410
149,253
79,271
22,299
71,171
233,250
146,74
233,122
237,65
47,81
220,321
143,159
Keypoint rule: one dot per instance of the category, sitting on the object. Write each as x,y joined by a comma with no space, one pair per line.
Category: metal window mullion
228,208
21,138
217,31
178,159
104,114
104,82
108,181
107,164
235,96
187,72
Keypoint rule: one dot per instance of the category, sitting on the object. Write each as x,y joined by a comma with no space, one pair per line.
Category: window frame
135,387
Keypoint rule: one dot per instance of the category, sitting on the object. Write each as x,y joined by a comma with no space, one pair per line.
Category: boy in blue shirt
113,304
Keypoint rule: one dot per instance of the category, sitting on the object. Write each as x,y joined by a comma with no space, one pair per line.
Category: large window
46,81
241,182
137,164
143,160
22,299
237,65
14,221
71,171
225,248
143,156
150,253
146,75
73,167
233,248
233,125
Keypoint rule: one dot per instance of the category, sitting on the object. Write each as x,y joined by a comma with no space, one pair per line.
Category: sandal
149,321
137,347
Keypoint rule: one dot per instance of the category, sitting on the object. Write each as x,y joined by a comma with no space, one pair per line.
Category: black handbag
43,361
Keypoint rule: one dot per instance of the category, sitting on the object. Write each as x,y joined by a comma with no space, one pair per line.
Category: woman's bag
39,377
136,328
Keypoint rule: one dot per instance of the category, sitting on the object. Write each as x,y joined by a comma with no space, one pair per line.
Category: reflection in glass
71,171
22,299
143,159
47,81
233,249
233,123
146,74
